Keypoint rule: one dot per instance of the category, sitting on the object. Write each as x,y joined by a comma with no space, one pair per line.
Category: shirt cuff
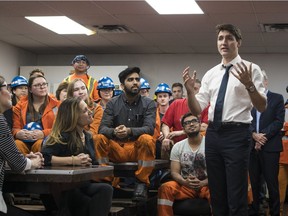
28,164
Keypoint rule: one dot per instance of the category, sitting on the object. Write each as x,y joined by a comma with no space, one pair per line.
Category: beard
193,134
130,92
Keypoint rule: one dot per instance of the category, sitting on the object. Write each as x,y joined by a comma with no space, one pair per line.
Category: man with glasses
188,168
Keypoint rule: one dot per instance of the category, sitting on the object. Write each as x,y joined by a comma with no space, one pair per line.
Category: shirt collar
237,59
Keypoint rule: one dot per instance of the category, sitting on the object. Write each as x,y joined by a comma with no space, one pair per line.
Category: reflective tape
165,202
103,160
146,163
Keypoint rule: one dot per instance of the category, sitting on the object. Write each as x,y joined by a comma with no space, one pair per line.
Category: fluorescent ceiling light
60,24
175,6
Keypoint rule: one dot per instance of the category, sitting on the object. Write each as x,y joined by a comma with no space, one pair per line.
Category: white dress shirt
237,103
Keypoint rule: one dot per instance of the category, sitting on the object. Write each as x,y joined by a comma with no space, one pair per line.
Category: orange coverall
19,120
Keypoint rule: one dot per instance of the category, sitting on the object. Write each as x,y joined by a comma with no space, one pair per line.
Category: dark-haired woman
37,107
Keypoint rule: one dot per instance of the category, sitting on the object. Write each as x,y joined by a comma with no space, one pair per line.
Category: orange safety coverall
97,113
142,151
19,121
90,82
157,125
172,190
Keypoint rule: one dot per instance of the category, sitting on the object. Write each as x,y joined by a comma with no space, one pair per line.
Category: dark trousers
227,156
92,199
267,164
14,211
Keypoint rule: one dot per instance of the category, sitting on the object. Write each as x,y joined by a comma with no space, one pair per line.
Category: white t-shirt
191,162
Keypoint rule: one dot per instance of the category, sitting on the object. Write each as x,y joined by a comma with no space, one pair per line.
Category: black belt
230,125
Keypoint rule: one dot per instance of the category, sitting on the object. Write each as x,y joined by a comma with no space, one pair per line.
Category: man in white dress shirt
228,137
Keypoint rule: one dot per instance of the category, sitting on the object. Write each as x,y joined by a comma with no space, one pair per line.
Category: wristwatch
251,88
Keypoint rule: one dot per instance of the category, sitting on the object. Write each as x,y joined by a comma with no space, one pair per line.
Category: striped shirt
9,153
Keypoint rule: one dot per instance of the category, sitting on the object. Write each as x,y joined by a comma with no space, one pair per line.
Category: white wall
56,74
155,68
11,58
168,68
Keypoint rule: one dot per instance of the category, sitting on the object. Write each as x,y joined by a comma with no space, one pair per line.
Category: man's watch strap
251,88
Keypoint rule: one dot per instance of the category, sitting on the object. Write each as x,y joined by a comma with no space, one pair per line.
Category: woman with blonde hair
33,116
77,88
70,144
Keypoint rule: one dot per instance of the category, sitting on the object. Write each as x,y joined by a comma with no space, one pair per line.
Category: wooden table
42,181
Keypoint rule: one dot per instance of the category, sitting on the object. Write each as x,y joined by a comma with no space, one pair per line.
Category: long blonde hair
70,91
66,122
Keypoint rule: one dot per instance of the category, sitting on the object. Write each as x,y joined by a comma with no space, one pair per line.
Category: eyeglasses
4,86
193,121
39,85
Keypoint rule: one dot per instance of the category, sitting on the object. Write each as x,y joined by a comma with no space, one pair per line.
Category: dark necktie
220,99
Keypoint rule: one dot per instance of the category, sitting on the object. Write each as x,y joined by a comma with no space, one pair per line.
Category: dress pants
267,164
227,156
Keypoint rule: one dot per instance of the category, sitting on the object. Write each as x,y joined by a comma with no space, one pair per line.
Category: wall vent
112,29
276,27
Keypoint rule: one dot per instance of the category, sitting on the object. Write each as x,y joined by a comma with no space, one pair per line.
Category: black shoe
140,192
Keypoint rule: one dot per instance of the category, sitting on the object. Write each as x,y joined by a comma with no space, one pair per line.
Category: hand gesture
37,134
83,160
121,131
192,182
24,135
36,159
166,143
189,81
260,138
242,73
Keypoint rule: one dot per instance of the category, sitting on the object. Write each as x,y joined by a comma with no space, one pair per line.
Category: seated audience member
177,91
188,168
38,108
19,89
36,72
81,65
77,88
106,90
10,154
61,92
70,144
126,131
171,126
162,93
144,87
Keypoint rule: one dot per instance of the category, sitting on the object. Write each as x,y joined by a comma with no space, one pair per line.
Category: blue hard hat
105,83
18,81
117,92
163,88
32,126
144,84
80,58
